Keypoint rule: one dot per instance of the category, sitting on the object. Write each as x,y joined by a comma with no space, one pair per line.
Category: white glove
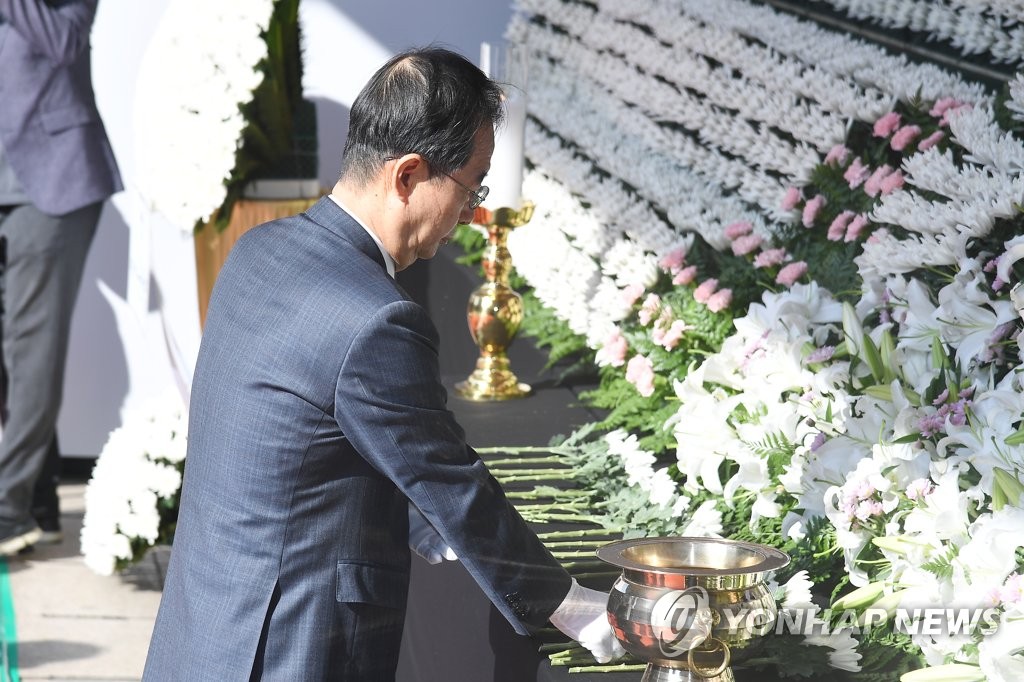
583,615
425,541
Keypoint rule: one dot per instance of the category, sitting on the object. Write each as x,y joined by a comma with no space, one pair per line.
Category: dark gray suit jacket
49,125
317,411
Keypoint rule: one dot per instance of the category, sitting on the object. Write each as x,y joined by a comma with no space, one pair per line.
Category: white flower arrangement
754,98
200,67
976,26
134,486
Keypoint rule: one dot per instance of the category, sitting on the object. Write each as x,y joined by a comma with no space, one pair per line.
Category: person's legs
45,502
45,256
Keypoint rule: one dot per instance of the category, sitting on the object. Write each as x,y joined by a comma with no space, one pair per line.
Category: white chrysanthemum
1016,101
705,521
199,68
975,128
130,478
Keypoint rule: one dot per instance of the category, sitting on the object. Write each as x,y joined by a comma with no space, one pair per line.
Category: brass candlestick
495,311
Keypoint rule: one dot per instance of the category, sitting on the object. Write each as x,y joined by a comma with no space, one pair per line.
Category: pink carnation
686,275
649,309
720,300
640,373
811,210
673,260
838,227
944,121
837,155
791,273
904,136
885,126
790,199
613,352
856,174
738,229
943,105
873,185
748,243
855,227
769,257
670,338
892,182
930,141
703,292
632,293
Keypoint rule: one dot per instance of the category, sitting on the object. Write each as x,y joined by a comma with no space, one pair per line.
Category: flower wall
794,256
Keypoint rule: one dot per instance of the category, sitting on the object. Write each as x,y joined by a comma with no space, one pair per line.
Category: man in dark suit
56,169
318,427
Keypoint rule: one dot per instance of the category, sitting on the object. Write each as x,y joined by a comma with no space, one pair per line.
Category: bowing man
319,440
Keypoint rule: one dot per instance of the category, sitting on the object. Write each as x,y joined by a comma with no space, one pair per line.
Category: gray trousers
41,263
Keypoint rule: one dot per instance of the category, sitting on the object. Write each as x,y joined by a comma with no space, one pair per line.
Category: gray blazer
317,412
49,125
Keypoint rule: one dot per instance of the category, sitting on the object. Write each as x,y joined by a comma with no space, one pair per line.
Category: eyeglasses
478,195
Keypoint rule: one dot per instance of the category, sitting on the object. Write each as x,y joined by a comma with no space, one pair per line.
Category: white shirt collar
389,262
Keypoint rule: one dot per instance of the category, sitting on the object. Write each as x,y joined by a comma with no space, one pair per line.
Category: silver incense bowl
689,607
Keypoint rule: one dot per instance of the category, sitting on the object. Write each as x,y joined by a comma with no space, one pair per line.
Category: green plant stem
596,574
552,476
583,564
498,472
556,647
620,668
555,459
574,543
535,495
577,533
525,448
571,555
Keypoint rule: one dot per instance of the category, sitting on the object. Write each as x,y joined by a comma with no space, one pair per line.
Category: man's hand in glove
425,541
583,616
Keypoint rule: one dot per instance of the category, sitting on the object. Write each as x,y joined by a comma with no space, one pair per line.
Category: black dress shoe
18,536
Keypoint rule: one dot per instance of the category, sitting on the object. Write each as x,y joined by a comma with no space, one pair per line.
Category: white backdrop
124,353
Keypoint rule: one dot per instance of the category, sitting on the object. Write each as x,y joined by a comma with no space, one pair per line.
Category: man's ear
407,172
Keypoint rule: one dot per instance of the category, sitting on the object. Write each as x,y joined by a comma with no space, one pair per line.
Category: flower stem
620,668
578,533
553,459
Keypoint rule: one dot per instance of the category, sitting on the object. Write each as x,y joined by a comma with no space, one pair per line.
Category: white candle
506,175
506,65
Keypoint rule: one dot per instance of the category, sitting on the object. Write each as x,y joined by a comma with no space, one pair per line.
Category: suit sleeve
390,403
59,30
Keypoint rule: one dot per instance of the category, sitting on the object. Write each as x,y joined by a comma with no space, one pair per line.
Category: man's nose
466,215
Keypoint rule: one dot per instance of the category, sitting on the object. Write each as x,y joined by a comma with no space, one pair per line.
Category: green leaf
852,329
873,358
939,358
1006,489
880,391
942,566
887,349
907,439
860,597
1015,438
